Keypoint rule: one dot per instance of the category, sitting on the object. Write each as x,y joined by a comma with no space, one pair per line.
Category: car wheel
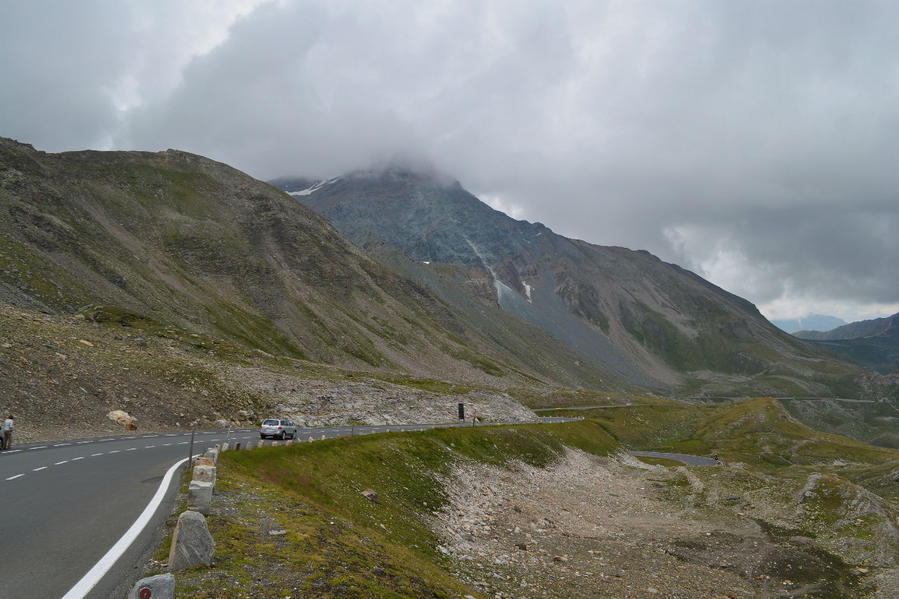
282,435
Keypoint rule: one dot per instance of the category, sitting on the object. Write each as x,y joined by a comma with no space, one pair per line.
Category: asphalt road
686,458
63,505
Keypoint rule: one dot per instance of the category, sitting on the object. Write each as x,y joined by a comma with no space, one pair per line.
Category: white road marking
150,436
81,457
166,444
149,447
183,443
61,463
38,447
15,477
38,469
62,445
102,440
90,580
131,449
115,451
93,455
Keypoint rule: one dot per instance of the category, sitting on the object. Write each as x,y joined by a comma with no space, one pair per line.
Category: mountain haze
813,322
650,323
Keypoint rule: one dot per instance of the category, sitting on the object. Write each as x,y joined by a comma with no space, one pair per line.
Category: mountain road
63,505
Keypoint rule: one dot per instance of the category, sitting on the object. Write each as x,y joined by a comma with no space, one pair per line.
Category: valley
190,295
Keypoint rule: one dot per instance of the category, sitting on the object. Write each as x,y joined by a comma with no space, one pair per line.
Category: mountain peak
646,322
400,169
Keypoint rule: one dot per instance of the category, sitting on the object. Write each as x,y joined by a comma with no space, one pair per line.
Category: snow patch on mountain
315,187
527,290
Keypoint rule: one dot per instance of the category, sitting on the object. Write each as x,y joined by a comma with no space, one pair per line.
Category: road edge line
95,574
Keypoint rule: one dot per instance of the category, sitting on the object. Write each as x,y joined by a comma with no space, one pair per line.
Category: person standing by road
7,432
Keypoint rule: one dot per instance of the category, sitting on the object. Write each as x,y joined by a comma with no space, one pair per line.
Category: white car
277,428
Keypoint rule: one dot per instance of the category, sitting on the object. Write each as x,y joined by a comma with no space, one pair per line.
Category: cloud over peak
752,142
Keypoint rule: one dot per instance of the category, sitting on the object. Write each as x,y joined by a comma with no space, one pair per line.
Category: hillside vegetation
175,241
458,511
339,542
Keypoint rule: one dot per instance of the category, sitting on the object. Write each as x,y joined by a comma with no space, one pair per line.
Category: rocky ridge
646,322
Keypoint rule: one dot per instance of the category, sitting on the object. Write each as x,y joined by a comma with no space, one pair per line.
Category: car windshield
270,422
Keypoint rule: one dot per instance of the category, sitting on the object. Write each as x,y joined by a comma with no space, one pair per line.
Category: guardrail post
190,450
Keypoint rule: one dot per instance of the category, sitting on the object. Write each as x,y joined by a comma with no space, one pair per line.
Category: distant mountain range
649,323
813,322
871,343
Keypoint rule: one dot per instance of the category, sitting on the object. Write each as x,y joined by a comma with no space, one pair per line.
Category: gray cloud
750,141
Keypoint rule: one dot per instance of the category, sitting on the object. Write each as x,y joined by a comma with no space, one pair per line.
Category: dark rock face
645,321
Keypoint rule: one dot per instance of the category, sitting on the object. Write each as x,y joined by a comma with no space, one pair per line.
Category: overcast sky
753,142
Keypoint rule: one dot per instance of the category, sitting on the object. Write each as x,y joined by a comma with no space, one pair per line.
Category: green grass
341,544
338,542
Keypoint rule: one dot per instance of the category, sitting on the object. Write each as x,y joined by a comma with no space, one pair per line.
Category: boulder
159,587
191,544
199,496
371,495
123,418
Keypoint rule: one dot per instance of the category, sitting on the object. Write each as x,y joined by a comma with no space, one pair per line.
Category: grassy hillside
875,423
821,508
338,543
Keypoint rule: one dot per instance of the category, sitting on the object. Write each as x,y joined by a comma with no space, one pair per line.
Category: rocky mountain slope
650,323
195,244
871,343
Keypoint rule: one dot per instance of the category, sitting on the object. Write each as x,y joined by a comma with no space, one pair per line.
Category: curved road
63,505
686,458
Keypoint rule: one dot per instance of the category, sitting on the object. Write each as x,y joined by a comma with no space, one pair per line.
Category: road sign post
190,450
